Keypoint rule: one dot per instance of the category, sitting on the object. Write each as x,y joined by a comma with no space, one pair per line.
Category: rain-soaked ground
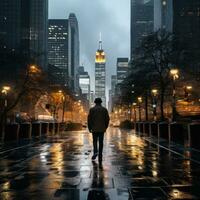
61,168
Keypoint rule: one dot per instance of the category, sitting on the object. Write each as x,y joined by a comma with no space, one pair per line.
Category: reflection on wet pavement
61,168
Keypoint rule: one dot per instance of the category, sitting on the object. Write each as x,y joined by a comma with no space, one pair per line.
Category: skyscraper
100,74
182,18
186,27
58,50
73,51
84,82
112,92
141,22
122,69
23,28
38,31
186,21
163,15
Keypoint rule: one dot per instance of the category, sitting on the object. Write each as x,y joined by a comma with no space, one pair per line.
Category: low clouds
110,17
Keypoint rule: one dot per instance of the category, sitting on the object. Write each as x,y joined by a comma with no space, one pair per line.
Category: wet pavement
134,167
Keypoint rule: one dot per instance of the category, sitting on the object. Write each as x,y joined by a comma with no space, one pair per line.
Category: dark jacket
98,119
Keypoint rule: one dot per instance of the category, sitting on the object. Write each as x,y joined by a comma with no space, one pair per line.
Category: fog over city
111,18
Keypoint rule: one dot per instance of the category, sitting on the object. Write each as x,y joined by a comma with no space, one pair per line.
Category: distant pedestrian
98,121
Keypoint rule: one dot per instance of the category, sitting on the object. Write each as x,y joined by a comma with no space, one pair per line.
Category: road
60,168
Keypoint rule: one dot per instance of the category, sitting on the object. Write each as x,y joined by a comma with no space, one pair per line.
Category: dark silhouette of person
98,121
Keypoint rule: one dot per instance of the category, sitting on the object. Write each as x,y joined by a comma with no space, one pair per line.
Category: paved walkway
61,168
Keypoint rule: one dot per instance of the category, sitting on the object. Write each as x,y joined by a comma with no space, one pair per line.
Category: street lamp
187,89
174,73
134,108
5,90
154,94
64,102
34,69
139,107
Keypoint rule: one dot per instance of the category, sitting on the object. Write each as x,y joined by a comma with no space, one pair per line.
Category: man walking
98,120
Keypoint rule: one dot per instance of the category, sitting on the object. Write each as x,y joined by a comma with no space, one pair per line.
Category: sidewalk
133,168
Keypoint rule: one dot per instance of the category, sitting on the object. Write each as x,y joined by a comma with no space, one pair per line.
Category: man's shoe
94,156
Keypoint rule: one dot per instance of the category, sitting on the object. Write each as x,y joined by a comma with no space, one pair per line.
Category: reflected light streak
175,193
154,173
136,152
58,156
6,186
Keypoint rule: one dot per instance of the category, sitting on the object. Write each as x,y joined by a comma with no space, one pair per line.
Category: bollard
146,128
11,132
194,134
62,126
178,132
25,131
141,127
154,129
36,129
132,125
163,130
45,128
51,129
137,127
57,128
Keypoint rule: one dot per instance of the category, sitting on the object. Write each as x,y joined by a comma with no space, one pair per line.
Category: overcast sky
110,17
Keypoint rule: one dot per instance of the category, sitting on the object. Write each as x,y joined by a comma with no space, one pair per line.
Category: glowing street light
187,90
5,89
154,94
175,75
189,87
134,108
139,99
139,107
34,69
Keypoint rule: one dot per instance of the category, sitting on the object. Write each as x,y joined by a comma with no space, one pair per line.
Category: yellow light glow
174,71
100,57
5,89
34,69
139,99
154,91
189,87
175,193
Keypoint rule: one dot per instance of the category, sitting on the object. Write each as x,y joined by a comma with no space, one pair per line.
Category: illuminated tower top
100,54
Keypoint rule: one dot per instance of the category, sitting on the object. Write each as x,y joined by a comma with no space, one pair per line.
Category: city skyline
99,17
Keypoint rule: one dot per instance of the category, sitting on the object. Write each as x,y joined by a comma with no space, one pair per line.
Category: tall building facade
163,15
186,27
186,21
58,51
74,46
100,74
23,29
182,18
84,82
122,69
112,92
142,15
